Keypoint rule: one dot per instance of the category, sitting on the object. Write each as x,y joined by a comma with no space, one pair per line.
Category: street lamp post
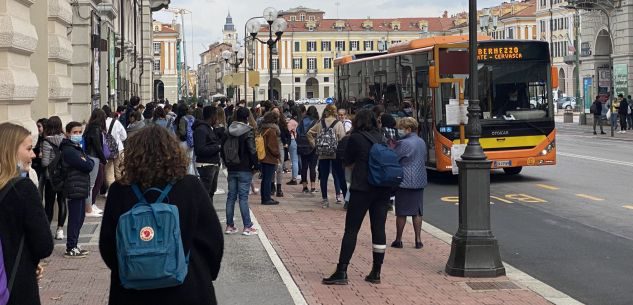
276,24
249,27
583,118
234,59
474,250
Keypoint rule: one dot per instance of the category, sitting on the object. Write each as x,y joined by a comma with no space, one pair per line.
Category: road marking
590,197
451,199
501,199
590,158
628,206
525,198
549,187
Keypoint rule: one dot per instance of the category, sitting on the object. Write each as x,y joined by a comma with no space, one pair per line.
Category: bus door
424,110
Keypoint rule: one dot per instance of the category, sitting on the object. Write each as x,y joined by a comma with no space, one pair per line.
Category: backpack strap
333,123
111,125
138,193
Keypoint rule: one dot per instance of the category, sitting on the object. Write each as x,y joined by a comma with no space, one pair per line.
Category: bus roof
432,41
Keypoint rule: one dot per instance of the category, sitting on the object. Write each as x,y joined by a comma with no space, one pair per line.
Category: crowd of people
171,155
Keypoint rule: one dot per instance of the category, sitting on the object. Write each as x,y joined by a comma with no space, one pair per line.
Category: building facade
211,70
165,50
303,58
555,24
509,20
65,59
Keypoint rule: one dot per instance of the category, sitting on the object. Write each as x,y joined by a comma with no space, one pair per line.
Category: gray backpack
326,142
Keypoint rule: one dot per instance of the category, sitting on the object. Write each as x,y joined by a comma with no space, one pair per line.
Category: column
82,61
147,55
18,83
108,15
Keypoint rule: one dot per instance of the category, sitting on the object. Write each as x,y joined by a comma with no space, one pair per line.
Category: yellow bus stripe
549,187
590,197
509,142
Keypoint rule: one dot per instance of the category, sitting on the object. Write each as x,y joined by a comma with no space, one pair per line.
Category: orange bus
426,77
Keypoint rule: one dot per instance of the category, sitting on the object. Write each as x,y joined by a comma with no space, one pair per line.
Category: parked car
567,103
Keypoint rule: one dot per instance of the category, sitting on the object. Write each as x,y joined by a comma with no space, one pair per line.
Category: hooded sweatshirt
48,152
247,150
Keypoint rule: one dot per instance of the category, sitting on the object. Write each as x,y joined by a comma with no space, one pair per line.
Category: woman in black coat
22,217
154,159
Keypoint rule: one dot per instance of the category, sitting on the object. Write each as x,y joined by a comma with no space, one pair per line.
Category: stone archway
276,85
159,89
312,88
562,80
603,43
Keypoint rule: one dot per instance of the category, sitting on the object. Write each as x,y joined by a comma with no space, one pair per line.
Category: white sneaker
219,192
623,131
94,214
95,208
59,235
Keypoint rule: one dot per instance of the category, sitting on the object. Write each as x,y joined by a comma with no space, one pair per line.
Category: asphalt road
568,225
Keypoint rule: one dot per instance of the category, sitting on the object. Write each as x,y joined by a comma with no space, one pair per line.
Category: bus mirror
433,82
554,78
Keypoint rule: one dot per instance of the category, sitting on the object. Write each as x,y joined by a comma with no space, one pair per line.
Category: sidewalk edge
546,291
293,289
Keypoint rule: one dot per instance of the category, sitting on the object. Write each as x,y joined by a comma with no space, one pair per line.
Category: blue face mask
76,139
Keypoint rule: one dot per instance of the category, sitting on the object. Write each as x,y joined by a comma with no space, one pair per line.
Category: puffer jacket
78,167
411,151
48,153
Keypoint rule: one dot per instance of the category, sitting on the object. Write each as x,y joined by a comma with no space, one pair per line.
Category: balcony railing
311,72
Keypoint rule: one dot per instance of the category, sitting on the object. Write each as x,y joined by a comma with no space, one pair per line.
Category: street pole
583,117
611,72
474,250
270,61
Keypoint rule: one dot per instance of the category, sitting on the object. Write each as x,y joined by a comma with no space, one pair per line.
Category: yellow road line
630,207
501,199
549,187
590,197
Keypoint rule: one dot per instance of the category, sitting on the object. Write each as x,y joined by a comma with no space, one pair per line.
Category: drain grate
492,285
305,211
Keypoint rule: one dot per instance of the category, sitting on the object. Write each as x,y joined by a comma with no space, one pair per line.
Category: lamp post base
474,250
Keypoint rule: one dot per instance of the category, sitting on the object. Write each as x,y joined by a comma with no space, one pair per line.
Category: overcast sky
204,25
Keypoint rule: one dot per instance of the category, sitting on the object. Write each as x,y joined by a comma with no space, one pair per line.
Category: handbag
609,113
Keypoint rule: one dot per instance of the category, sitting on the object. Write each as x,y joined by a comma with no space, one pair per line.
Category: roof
435,24
165,28
506,10
300,9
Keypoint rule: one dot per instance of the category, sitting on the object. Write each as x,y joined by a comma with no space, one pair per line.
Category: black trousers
622,121
376,202
209,178
49,204
308,162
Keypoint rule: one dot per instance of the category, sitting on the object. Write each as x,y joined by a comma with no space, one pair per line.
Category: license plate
503,163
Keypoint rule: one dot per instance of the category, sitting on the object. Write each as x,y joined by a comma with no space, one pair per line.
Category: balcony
312,72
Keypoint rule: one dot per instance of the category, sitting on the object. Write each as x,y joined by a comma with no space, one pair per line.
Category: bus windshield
516,91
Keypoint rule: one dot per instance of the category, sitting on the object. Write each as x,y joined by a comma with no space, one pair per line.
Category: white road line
590,158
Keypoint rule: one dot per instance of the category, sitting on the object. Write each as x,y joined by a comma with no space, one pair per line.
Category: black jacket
247,150
357,154
201,234
93,142
37,161
624,107
598,108
206,143
78,167
22,214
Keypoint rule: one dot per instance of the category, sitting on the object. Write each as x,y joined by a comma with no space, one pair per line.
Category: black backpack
303,145
55,171
340,149
231,150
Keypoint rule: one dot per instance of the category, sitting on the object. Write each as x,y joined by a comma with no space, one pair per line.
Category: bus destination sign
499,53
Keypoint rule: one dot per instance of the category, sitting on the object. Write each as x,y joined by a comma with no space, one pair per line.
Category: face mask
76,139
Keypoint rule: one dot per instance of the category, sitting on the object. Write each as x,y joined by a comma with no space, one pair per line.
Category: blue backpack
383,166
189,135
149,246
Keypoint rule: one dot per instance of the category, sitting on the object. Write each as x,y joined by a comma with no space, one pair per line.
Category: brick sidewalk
307,238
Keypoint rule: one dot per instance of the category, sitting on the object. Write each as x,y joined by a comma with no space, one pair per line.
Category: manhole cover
305,211
492,285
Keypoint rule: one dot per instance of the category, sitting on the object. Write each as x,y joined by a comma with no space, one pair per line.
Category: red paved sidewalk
307,238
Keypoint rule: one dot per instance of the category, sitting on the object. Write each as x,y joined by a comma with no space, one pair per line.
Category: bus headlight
446,151
549,148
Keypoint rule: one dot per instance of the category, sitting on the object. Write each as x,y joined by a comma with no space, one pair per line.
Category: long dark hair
181,111
312,113
365,120
53,126
159,113
98,118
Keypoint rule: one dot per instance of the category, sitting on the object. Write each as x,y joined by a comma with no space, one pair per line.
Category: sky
204,25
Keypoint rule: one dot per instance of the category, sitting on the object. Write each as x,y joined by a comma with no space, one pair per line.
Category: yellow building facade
303,60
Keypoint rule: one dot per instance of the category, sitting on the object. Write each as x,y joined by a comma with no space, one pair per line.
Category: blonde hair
330,111
12,136
408,123
221,117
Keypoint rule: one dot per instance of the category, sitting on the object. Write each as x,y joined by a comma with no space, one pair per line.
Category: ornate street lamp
275,24
474,250
234,59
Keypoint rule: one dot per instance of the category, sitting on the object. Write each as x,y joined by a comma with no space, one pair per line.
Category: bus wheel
512,170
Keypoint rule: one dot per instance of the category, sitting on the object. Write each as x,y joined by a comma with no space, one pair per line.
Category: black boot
279,192
374,275
339,277
272,188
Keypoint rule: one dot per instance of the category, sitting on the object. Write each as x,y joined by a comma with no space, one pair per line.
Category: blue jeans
614,120
324,174
294,158
268,170
339,177
76,217
239,185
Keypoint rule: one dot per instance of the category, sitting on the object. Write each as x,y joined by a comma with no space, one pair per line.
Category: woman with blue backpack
367,153
160,235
